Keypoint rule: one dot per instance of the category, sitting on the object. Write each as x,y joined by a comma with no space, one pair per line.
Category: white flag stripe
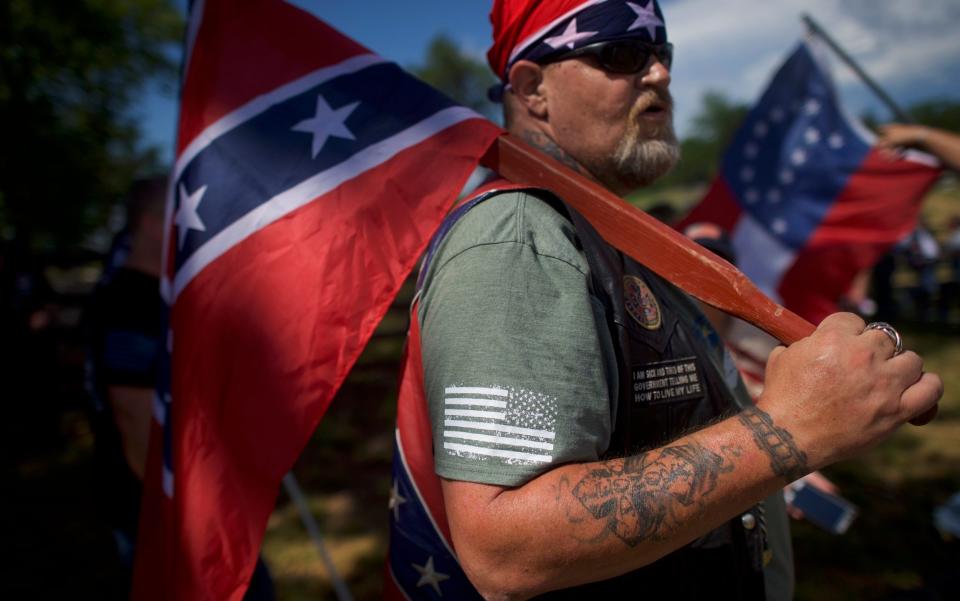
268,100
457,423
167,482
472,413
475,390
512,442
466,448
481,402
312,188
159,410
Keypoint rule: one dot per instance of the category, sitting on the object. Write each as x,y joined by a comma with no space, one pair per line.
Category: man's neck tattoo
543,143
786,459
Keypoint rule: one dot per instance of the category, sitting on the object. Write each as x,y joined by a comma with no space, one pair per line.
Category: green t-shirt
519,368
518,375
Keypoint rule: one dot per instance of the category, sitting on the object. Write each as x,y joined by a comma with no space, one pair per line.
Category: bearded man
569,422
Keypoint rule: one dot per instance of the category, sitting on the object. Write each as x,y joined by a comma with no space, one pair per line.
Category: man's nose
655,75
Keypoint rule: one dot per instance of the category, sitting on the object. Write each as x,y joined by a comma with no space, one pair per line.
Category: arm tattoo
543,143
785,458
638,496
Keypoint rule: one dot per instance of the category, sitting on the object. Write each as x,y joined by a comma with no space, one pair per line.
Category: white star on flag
811,135
569,37
396,500
327,122
645,18
187,218
835,141
811,106
429,575
759,129
798,157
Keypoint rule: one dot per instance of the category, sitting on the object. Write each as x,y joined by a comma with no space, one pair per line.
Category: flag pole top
814,28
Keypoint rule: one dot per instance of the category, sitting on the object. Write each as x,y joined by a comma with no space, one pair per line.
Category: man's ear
526,85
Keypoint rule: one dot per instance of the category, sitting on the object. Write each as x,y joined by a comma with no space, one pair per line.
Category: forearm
585,522
941,143
944,145
132,406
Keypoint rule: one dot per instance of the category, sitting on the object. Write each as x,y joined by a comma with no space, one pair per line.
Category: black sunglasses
619,56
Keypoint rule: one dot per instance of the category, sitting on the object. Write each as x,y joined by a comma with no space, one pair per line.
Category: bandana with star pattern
533,30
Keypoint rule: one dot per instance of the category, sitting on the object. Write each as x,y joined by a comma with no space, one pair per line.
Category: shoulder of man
530,217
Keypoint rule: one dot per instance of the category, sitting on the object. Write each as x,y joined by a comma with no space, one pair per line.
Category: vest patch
640,302
667,381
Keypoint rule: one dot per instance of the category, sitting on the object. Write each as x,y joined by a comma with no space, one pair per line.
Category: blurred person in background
123,330
950,288
921,248
922,254
123,323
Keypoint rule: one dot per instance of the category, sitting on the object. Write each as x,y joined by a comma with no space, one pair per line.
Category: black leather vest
667,386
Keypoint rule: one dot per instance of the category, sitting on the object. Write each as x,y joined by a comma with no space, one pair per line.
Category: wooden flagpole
659,247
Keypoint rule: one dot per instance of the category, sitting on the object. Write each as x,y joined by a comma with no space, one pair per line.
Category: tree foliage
69,71
460,76
942,113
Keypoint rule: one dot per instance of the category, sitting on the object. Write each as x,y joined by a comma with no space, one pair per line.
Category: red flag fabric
310,174
808,201
518,22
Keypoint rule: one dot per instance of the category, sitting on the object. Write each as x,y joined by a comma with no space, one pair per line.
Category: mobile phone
830,512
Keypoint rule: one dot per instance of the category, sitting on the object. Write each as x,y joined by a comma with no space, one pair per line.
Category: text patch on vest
667,381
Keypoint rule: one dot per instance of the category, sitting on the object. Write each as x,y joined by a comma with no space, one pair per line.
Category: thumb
775,353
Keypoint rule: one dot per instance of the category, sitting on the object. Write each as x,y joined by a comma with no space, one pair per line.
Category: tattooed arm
827,397
580,523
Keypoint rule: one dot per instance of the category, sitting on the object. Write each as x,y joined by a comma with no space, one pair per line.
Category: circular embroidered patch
640,302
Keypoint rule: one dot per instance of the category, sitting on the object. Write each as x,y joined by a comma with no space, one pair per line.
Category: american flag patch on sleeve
513,424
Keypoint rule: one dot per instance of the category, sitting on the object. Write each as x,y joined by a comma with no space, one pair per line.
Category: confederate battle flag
310,174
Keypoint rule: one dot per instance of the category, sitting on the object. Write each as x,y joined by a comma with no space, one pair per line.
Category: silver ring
890,331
